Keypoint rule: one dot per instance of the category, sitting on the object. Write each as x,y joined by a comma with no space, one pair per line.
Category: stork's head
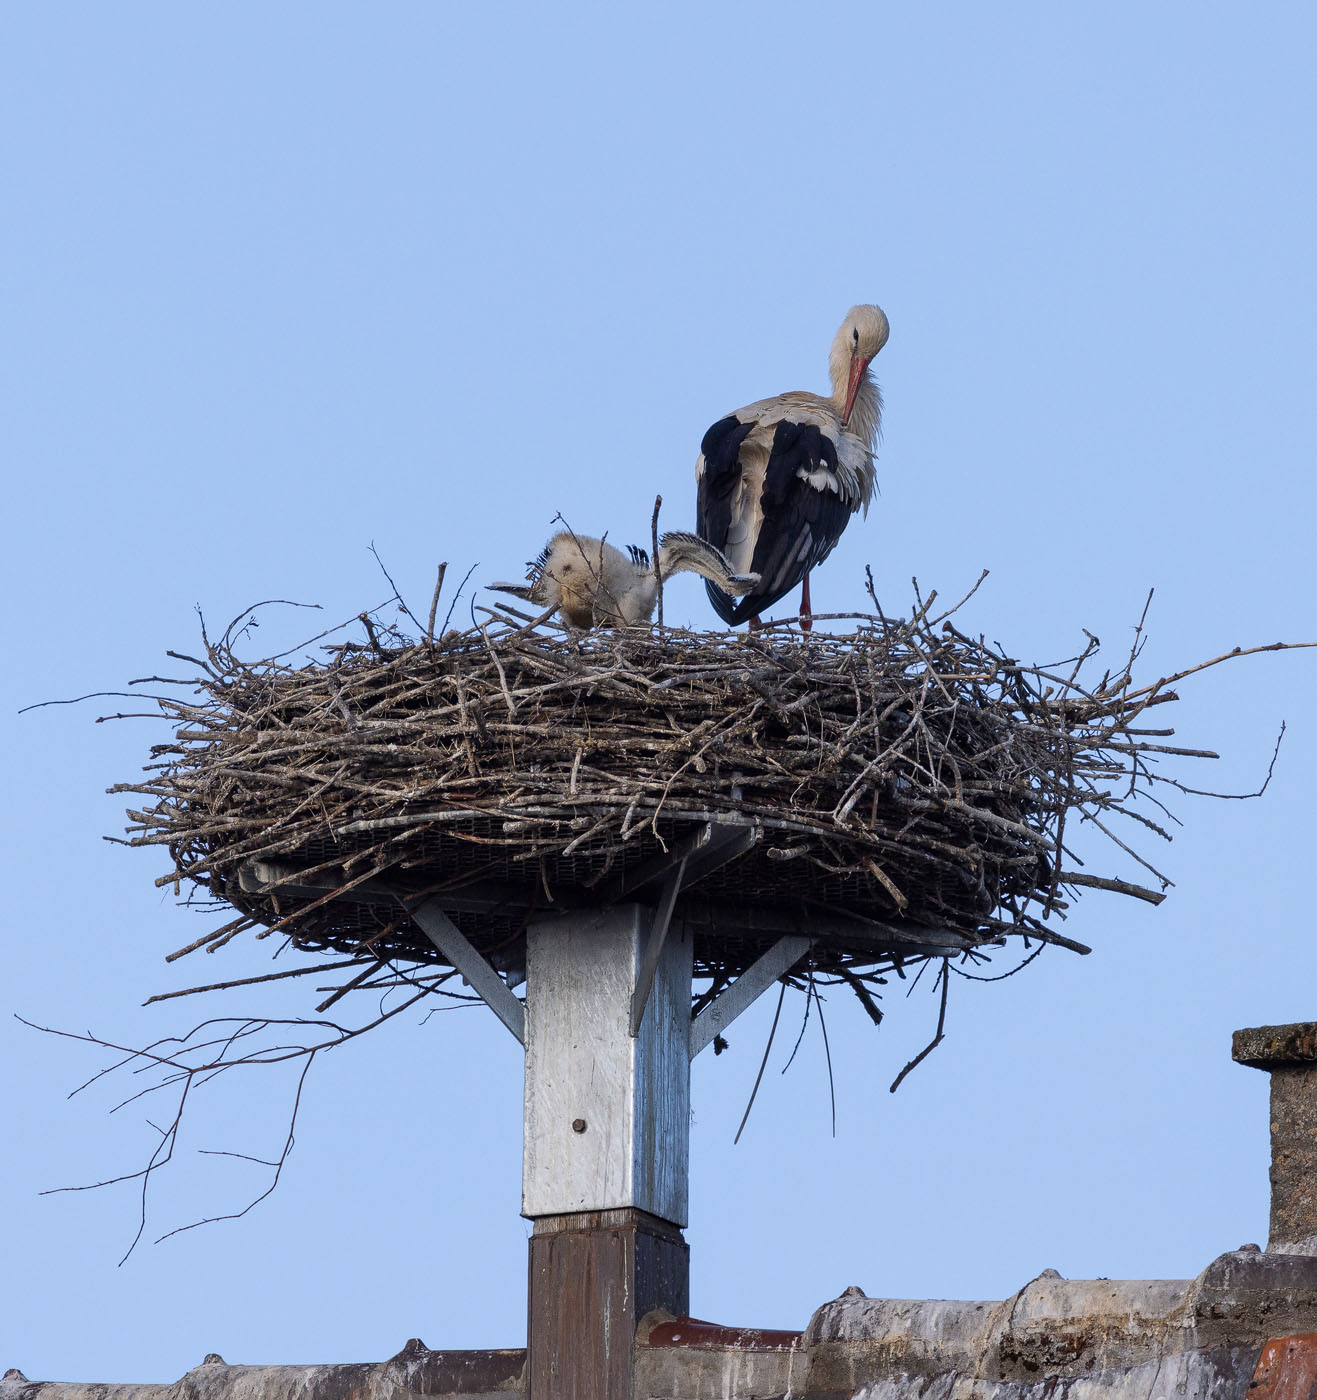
862,335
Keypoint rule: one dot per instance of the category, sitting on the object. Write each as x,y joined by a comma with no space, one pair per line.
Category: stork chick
778,481
594,584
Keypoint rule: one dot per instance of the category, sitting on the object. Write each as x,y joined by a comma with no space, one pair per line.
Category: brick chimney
1289,1055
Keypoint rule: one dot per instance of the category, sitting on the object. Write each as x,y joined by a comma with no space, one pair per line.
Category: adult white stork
594,584
779,479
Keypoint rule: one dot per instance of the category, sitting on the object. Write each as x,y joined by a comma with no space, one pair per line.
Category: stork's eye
855,335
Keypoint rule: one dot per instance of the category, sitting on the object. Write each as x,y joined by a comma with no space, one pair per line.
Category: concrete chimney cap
1274,1047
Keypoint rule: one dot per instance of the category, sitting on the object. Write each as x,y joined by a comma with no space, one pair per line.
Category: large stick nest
905,782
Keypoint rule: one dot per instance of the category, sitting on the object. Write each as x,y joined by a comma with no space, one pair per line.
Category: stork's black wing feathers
721,448
713,507
802,521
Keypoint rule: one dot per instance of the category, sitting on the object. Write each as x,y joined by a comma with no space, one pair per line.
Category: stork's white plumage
778,480
594,584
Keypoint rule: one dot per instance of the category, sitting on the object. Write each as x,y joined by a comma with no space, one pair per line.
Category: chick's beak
858,365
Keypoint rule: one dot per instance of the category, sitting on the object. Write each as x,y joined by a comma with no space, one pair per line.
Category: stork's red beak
858,365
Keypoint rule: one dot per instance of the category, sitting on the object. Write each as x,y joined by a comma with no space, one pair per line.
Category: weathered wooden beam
607,1120
607,1142
729,842
709,847
654,945
261,876
457,948
658,867
743,920
264,877
593,1276
747,988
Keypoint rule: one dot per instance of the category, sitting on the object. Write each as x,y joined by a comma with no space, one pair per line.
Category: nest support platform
713,880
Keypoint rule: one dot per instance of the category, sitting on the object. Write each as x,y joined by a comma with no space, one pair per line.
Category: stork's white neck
859,338
867,414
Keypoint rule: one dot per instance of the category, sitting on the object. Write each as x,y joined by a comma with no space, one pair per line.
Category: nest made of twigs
903,782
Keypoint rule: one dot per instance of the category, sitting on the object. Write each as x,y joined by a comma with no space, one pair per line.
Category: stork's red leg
755,624
806,617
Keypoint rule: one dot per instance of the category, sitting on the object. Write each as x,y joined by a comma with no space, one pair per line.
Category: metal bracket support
748,987
457,948
708,847
713,845
430,918
654,945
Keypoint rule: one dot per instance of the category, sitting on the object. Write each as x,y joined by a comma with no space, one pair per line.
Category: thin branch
804,1021
448,616
827,1054
401,603
251,981
763,1064
1232,796
434,602
937,1039
278,1167
1151,690
1001,976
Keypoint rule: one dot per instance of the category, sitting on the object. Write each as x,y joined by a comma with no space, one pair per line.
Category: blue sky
283,280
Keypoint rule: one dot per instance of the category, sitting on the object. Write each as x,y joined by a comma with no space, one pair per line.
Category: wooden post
607,1147
608,1034
593,1276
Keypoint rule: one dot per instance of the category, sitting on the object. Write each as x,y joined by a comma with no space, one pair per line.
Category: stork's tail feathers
680,552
